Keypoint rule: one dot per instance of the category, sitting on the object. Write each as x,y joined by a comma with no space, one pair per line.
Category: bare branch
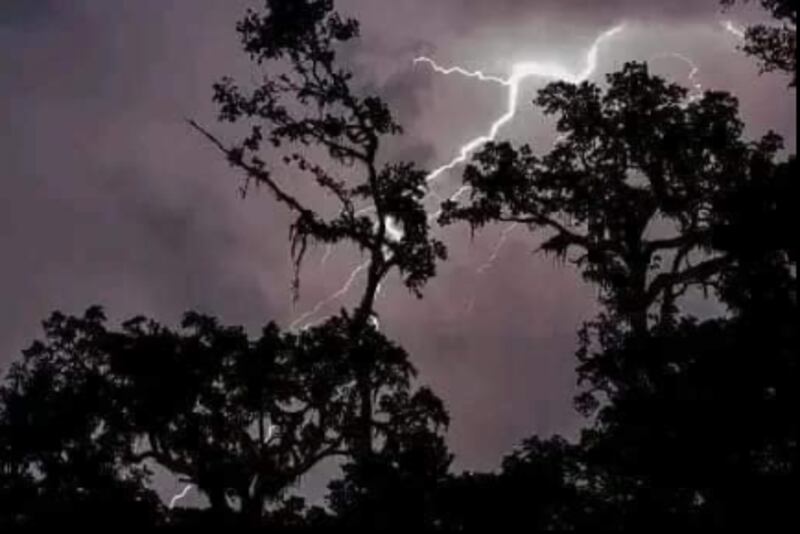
260,175
694,274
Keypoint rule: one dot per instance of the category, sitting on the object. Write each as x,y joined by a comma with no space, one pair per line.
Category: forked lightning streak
519,73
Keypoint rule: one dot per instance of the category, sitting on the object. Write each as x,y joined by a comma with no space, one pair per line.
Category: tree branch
257,174
696,273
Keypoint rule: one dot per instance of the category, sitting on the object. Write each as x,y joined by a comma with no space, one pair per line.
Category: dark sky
107,197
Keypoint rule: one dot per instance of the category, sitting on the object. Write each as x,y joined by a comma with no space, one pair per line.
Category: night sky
107,197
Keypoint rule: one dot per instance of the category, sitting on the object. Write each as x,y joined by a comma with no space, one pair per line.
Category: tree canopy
690,420
774,46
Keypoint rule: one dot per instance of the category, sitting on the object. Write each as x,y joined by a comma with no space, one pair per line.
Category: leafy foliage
633,185
88,405
775,47
306,105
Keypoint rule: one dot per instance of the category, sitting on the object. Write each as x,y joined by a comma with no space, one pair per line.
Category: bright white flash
732,28
393,230
270,430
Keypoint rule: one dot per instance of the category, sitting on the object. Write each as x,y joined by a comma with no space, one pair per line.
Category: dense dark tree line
88,406
653,197
691,422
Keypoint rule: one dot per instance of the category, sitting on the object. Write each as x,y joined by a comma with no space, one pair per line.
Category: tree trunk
253,510
219,504
637,300
363,364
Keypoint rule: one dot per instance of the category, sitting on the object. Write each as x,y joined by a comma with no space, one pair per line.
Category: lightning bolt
328,252
335,296
462,71
519,73
178,496
694,70
497,248
697,90
489,263
185,491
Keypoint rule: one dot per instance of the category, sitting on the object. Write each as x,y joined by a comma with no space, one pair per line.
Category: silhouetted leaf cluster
775,47
88,406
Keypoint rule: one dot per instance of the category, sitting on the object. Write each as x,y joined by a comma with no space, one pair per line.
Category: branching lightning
697,92
459,70
519,73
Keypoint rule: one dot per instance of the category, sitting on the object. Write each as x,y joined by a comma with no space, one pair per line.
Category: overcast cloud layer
107,197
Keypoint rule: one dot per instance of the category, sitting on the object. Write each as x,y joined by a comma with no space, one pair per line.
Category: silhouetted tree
710,442
775,47
88,406
541,487
63,450
631,185
396,490
695,426
692,421
305,107
206,401
200,401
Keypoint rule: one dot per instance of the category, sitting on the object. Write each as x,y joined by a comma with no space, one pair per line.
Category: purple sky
107,197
